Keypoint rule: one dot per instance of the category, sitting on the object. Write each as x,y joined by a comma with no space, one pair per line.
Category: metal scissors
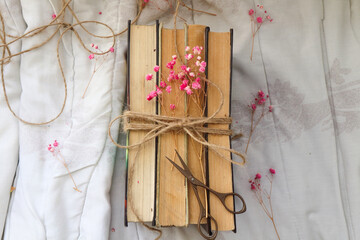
195,183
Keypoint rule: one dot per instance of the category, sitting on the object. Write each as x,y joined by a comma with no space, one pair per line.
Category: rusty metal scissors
195,183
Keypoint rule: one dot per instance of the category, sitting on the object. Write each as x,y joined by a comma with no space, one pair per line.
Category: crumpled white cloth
44,204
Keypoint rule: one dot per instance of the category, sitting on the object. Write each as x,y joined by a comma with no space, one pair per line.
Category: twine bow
157,125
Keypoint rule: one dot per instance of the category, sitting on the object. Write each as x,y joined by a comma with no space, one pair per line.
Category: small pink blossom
162,84
187,48
198,79
259,19
174,57
196,85
197,50
192,74
100,13
258,176
111,49
91,56
183,67
149,77
197,63
261,6
92,45
53,16
261,101
272,171
96,47
172,106
202,69
253,186
251,11
189,56
188,90
188,69
261,94
168,89
156,68
271,108
268,17
253,106
203,64
56,143
49,147
198,58
151,95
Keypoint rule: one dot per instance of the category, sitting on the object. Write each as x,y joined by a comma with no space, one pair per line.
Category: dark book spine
127,135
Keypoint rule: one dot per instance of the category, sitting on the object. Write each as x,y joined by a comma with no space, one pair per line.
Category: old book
172,207
220,170
141,163
196,153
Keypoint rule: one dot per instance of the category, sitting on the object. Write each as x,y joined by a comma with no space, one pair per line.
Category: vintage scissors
195,183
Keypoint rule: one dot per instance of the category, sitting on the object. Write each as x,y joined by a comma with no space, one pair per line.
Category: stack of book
156,191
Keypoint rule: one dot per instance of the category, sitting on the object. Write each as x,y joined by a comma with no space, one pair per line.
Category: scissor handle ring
223,197
214,233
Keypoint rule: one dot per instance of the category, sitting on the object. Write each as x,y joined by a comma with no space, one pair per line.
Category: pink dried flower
56,143
253,106
100,13
271,108
196,85
162,84
53,16
261,94
251,12
187,48
272,171
174,57
172,106
188,90
203,64
198,58
253,186
259,19
198,79
261,101
258,176
111,49
192,74
202,69
261,6
96,47
49,147
151,95
197,50
92,45
149,77
168,89
156,68
91,56
189,56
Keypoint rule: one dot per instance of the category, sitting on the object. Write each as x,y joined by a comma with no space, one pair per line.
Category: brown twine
157,125
59,23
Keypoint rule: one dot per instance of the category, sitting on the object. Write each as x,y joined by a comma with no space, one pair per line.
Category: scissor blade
186,173
182,162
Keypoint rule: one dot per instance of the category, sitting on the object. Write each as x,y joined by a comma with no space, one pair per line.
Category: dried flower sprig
54,149
260,101
189,77
264,196
258,18
101,60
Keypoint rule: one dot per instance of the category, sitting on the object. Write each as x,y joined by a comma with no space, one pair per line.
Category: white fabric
307,59
44,204
9,145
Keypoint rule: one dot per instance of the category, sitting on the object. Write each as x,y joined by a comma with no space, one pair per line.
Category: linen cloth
307,59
